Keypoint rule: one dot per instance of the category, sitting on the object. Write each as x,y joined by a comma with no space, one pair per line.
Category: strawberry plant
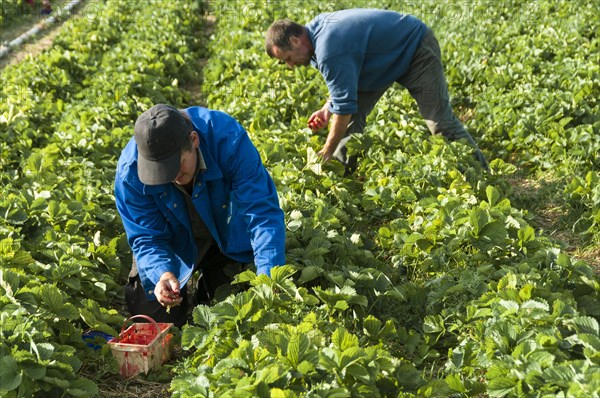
583,194
277,338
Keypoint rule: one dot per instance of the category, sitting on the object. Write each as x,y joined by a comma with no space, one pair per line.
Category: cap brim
161,172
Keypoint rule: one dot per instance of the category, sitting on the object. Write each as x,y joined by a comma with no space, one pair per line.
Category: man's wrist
167,275
329,147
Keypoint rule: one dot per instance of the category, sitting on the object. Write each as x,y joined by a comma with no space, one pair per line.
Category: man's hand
167,290
325,154
319,119
337,130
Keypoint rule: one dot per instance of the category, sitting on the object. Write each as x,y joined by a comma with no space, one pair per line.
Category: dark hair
279,35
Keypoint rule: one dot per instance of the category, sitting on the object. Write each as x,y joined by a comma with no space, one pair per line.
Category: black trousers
217,272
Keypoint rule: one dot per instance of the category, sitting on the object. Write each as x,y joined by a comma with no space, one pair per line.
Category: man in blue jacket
193,195
361,53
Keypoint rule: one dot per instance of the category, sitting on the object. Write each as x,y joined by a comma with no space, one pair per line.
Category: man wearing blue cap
361,53
193,195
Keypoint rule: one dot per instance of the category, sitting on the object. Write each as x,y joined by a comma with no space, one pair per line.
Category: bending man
193,195
361,53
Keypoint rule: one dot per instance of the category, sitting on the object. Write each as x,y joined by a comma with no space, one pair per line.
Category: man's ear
295,41
195,139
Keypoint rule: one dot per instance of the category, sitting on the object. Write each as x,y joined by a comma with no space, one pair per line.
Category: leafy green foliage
278,338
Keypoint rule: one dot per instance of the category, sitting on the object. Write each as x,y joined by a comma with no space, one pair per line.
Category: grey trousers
427,84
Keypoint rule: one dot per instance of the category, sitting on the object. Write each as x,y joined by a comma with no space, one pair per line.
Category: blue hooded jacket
235,197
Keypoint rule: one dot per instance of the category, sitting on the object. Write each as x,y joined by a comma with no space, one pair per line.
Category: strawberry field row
64,118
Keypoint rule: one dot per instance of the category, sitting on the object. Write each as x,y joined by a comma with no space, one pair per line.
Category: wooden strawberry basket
142,346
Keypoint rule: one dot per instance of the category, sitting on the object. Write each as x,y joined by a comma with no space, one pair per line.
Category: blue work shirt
362,50
235,197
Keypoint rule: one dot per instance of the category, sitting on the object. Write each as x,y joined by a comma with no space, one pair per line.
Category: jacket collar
212,172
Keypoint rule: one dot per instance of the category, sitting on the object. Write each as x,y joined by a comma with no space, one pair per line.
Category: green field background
419,275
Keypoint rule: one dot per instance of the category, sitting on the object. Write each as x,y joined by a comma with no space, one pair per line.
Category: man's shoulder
207,115
127,168
127,157
213,124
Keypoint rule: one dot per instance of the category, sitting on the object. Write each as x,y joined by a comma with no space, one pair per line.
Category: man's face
299,54
187,168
